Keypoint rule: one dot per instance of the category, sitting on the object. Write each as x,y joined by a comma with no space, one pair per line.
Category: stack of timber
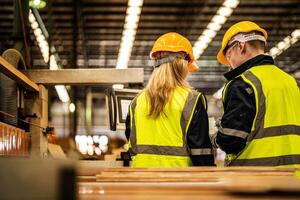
189,183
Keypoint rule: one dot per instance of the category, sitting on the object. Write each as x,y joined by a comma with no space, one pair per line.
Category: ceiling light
219,19
44,48
98,151
132,18
78,138
198,51
285,43
274,51
34,25
129,31
72,107
133,11
282,45
296,33
204,39
209,33
135,3
37,32
103,140
53,63
40,38
130,25
37,4
90,150
31,17
62,93
225,11
231,3
83,148
46,56
215,25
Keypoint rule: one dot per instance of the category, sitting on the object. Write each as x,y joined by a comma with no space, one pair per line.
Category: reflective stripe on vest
225,90
271,161
271,143
185,120
201,151
233,132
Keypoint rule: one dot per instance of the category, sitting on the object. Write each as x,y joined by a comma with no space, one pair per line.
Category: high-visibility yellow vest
275,135
161,142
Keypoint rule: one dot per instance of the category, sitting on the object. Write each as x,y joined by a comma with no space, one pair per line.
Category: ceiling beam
86,76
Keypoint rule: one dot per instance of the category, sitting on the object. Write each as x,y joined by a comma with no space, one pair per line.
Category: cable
13,116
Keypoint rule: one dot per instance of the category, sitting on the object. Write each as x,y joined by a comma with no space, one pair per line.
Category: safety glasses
229,47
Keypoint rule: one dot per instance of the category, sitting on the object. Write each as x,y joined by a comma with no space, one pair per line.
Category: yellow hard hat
174,42
240,27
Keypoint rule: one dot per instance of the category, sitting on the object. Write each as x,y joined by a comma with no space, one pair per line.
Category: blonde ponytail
163,82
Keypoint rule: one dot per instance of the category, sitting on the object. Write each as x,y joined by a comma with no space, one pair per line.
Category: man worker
261,121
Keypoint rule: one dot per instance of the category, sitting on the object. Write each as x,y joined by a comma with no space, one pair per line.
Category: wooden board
186,174
86,76
10,71
56,151
118,174
190,183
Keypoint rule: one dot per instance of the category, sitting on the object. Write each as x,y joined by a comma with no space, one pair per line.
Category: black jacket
197,135
239,107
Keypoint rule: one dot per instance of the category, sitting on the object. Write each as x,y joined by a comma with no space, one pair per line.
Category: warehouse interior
69,70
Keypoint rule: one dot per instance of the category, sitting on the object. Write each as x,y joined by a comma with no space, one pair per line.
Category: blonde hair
163,82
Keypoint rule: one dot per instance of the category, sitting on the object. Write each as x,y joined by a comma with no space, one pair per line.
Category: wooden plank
228,187
87,179
56,151
190,183
191,174
91,168
258,184
10,71
86,76
201,169
140,191
213,176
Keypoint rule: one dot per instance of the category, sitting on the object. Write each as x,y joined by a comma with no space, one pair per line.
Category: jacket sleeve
127,126
198,141
127,121
239,114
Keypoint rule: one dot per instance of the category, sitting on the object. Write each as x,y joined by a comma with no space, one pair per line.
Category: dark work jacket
197,134
239,106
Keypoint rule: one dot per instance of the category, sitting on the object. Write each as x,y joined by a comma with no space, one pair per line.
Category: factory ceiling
90,32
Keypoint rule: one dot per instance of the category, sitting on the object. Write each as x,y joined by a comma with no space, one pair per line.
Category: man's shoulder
239,85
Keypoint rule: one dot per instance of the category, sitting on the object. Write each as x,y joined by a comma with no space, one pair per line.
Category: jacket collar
255,61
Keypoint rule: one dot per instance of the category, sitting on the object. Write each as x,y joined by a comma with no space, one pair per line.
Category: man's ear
242,47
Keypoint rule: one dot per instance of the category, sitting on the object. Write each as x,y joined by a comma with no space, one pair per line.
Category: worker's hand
213,131
218,122
212,137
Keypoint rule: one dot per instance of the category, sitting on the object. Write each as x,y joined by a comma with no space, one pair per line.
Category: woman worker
167,124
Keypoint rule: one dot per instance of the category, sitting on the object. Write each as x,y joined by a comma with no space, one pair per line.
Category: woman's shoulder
189,90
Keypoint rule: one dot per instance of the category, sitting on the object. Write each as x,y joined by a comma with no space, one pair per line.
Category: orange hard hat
240,27
174,42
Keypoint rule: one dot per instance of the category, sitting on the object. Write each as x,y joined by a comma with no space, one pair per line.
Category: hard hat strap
245,37
169,57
